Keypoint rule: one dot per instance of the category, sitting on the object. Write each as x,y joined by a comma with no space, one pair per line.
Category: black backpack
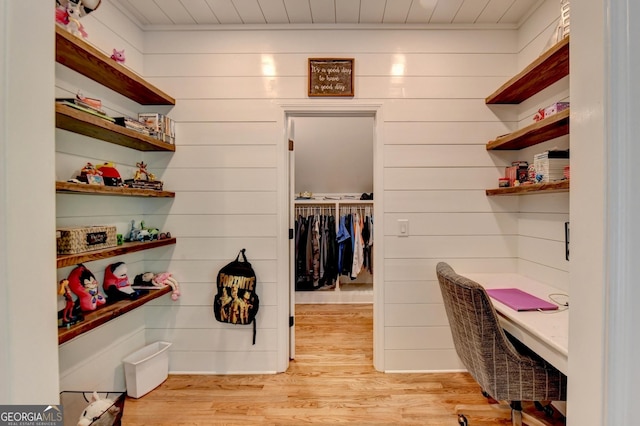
236,301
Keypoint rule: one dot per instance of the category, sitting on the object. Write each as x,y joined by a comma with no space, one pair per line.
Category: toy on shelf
73,19
69,12
142,233
99,412
71,313
116,283
149,280
110,174
91,175
142,179
118,56
84,285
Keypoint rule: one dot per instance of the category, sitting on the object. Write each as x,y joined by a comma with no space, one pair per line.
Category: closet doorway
332,174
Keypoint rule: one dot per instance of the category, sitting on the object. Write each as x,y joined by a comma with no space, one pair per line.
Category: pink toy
151,280
118,56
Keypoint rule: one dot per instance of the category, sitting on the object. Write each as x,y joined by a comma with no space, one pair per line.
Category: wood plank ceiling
150,13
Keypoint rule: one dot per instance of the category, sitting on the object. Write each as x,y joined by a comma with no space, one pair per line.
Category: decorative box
555,108
85,238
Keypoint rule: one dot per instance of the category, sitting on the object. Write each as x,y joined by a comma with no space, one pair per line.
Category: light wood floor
331,381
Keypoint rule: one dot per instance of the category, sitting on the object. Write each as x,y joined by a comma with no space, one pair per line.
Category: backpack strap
254,331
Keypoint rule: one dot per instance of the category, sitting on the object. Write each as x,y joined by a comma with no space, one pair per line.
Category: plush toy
99,412
84,285
73,19
110,174
118,56
87,6
151,280
116,283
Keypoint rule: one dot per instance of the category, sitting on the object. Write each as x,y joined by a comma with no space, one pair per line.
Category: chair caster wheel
462,420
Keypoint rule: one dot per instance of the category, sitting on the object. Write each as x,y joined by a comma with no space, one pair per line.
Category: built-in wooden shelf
550,67
73,120
73,259
82,188
80,56
536,188
106,313
551,127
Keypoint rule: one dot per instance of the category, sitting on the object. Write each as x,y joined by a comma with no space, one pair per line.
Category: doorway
298,121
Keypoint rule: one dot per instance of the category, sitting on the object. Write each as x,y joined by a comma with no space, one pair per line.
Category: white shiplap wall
541,248
435,172
229,87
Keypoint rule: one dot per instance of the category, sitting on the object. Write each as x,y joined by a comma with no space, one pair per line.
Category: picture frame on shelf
95,180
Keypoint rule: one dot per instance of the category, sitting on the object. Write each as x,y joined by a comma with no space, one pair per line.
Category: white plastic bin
146,369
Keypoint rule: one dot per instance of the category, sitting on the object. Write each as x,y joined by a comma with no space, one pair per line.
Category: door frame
286,294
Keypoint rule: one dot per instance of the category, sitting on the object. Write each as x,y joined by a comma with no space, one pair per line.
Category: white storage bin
146,368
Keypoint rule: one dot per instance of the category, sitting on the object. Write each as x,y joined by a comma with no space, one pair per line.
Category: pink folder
520,300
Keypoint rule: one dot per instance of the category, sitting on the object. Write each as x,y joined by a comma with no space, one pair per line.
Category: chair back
502,370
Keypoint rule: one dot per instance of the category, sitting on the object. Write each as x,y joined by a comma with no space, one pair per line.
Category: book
87,110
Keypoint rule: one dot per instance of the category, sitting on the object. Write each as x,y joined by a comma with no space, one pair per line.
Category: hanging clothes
327,246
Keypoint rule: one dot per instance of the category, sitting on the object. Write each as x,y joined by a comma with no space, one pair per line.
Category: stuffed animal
84,285
118,56
151,280
99,412
87,6
73,19
116,283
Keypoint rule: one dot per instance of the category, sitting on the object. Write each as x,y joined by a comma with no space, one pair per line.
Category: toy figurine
151,280
116,283
118,56
84,285
73,19
71,313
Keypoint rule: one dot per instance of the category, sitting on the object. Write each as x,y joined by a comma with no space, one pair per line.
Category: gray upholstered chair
504,368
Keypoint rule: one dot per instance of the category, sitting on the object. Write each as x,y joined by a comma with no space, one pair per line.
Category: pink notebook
520,300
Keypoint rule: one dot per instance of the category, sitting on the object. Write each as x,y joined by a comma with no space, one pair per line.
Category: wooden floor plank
331,381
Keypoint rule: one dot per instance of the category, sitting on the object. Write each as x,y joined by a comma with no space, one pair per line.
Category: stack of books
551,164
160,126
89,105
132,124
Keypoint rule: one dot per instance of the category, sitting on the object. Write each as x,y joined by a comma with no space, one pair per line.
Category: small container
503,182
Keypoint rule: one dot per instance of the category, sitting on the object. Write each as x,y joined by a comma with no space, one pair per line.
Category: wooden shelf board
77,121
81,188
560,186
550,67
80,56
106,313
551,127
74,259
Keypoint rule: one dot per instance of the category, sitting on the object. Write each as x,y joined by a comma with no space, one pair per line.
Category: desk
547,334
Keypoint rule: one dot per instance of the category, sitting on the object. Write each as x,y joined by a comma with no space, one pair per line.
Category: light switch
403,227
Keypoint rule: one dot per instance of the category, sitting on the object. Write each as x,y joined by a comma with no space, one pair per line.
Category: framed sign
330,77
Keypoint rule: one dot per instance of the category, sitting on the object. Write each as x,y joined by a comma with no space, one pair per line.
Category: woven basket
85,238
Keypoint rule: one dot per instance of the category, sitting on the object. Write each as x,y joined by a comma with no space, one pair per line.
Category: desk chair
505,369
